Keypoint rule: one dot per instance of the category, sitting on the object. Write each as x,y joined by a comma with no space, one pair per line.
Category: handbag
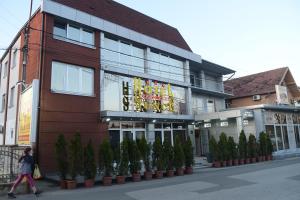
36,173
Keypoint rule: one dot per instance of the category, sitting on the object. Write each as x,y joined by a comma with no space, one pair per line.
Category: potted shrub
214,151
262,146
145,150
123,162
188,155
89,165
242,147
105,162
223,149
157,158
168,152
252,148
75,156
178,156
269,147
134,161
61,153
232,152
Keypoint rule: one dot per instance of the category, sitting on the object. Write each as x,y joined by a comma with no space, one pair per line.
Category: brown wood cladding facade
62,113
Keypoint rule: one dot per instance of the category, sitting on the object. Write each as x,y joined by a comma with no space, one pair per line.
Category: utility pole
25,48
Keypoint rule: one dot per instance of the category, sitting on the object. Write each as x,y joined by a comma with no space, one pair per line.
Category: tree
157,155
262,144
242,145
89,161
168,153
214,149
178,154
61,153
188,152
223,147
252,146
145,150
105,157
124,160
75,156
269,145
232,151
134,158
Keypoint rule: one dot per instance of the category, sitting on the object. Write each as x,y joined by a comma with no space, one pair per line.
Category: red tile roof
260,83
129,18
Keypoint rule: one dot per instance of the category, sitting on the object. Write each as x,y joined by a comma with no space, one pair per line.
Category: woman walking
26,162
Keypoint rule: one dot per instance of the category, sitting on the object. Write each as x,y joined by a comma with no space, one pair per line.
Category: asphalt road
273,180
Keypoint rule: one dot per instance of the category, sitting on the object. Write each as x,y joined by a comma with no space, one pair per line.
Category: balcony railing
207,84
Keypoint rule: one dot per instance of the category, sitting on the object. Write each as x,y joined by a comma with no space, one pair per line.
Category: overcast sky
247,36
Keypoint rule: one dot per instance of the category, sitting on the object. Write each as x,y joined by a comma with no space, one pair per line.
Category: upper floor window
5,69
72,79
3,102
12,97
14,58
73,33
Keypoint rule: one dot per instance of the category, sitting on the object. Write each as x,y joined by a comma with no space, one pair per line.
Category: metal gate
9,165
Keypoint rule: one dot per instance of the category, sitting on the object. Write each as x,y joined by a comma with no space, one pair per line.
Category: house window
12,97
72,79
14,59
72,33
5,69
3,102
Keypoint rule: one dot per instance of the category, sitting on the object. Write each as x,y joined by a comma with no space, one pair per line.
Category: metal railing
9,165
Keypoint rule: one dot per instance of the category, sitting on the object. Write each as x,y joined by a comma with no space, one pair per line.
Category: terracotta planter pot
229,163
107,180
71,184
147,175
63,184
89,183
136,177
170,173
253,160
247,160
270,157
224,163
188,170
236,162
159,174
242,161
120,179
216,164
179,172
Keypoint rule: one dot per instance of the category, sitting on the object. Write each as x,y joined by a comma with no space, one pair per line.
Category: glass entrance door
127,135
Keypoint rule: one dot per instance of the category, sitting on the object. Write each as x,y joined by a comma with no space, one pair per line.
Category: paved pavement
275,180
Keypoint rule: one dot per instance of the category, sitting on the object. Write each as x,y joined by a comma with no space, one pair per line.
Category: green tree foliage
61,154
188,152
178,153
242,145
214,149
124,159
145,150
252,146
134,157
262,144
106,158
75,156
232,149
89,161
223,146
168,153
158,155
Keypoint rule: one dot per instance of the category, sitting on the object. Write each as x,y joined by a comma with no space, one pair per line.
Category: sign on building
281,94
28,115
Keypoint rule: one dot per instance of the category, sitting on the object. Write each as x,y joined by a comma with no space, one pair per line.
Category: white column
188,91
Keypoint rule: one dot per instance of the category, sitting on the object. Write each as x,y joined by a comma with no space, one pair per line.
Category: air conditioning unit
256,97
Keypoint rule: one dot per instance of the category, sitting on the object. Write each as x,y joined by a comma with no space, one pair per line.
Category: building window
5,69
71,33
14,59
12,97
72,79
3,102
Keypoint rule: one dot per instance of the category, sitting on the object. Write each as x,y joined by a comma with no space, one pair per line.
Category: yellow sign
25,117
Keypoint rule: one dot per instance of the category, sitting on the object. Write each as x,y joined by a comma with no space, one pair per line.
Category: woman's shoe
11,195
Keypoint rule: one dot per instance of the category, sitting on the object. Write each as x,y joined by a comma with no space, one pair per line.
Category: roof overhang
211,67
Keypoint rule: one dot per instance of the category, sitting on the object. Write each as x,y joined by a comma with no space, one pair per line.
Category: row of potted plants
226,152
122,161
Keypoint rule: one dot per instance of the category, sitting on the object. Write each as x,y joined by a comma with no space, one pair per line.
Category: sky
246,36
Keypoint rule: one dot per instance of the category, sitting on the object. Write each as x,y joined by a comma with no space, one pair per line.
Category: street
268,181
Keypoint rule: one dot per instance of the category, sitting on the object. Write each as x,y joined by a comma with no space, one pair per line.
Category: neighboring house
266,101
256,89
103,69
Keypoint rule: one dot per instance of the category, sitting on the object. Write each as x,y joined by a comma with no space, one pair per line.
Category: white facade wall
3,88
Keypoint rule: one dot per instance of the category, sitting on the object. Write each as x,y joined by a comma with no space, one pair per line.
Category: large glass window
12,97
122,55
72,33
71,79
5,69
165,66
297,137
271,132
198,104
285,137
279,138
14,58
